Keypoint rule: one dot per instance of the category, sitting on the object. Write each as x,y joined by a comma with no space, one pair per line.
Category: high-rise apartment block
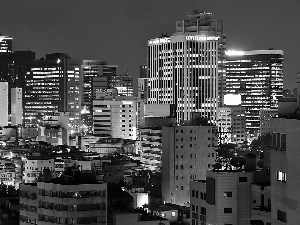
52,85
187,152
186,68
3,104
16,106
258,77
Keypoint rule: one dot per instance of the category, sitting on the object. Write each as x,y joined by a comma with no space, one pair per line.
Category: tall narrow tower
187,68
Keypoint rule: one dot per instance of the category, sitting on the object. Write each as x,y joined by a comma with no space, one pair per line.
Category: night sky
117,31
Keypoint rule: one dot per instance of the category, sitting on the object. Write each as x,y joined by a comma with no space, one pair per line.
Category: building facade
224,198
115,117
258,77
4,104
90,70
52,86
63,203
265,116
231,122
187,152
186,68
5,43
16,106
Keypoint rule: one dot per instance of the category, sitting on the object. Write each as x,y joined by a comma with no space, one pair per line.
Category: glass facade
187,68
258,77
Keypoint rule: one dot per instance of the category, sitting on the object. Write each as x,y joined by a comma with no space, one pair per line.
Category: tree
238,162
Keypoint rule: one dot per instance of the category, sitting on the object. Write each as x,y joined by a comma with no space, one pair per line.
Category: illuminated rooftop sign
159,41
201,38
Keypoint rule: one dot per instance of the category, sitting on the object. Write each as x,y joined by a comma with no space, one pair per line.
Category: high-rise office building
52,85
16,106
98,77
89,70
187,68
258,77
3,104
5,43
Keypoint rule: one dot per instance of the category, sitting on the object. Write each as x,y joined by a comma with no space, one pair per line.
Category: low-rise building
65,200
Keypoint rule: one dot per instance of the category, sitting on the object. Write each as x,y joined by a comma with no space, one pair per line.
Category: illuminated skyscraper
5,43
100,77
52,85
187,68
94,73
258,77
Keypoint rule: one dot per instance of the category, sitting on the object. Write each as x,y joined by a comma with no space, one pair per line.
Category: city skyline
120,37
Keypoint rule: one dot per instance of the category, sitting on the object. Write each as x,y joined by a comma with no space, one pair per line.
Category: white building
4,104
231,122
115,118
265,117
16,106
7,177
34,167
187,68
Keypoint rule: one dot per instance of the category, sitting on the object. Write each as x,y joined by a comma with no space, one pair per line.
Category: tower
52,85
187,68
258,77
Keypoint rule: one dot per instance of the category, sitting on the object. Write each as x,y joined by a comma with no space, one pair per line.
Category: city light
234,52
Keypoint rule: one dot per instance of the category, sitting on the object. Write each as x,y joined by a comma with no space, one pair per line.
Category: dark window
278,140
242,179
274,140
283,142
228,194
281,216
227,210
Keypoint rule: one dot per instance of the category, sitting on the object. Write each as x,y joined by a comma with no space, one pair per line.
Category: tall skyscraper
5,43
258,77
3,104
187,68
52,85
